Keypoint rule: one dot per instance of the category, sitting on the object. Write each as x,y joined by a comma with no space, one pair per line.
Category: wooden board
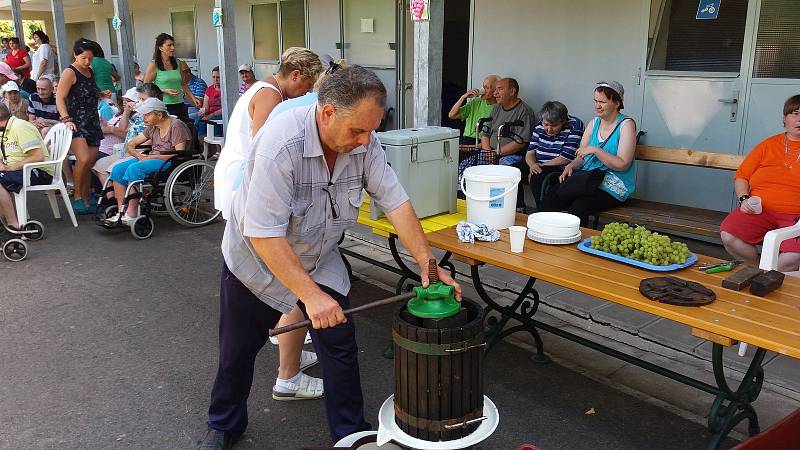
688,157
772,322
665,216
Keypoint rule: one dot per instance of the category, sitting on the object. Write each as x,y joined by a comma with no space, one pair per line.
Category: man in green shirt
476,109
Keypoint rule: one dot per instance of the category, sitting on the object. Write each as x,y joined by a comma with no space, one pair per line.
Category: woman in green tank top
165,71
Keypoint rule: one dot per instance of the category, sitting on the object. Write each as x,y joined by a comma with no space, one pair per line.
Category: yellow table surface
430,224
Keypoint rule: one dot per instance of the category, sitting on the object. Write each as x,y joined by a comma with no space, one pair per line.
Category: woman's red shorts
751,228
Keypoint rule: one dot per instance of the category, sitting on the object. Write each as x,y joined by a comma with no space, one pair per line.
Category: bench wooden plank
709,336
689,157
737,316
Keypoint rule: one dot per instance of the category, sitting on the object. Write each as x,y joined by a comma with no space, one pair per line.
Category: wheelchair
184,191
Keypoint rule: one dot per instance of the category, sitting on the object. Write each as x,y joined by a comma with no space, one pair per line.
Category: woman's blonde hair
302,59
336,65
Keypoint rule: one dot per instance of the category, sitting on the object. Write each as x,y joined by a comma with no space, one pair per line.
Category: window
112,36
277,26
680,42
184,33
777,46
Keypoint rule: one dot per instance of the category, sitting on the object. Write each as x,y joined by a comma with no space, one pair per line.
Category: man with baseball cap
248,77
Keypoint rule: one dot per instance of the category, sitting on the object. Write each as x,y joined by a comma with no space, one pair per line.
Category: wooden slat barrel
438,374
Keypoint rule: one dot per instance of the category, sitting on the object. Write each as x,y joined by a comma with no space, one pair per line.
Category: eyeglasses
332,200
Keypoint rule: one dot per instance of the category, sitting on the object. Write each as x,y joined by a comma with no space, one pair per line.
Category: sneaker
217,440
274,339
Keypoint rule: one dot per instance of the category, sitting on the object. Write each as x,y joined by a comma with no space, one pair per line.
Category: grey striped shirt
288,192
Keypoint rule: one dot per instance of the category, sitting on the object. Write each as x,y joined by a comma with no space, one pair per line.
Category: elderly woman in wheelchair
167,135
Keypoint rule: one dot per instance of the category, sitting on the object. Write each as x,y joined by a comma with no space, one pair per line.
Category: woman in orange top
770,172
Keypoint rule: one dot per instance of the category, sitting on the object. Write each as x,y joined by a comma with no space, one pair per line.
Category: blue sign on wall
708,9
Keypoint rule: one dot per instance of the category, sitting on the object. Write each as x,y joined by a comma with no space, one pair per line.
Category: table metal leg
731,407
521,310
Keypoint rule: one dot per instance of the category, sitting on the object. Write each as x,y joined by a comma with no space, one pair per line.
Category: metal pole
125,41
428,43
62,47
229,83
16,16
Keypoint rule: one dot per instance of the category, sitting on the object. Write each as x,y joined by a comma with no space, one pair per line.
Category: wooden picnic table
768,323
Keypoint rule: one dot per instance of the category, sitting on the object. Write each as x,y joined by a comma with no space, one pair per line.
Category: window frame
281,47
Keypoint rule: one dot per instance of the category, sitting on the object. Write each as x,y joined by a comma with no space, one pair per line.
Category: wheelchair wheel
35,230
189,194
15,250
142,227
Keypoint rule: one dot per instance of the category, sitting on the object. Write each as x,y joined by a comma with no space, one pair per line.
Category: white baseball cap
151,104
10,86
246,67
131,95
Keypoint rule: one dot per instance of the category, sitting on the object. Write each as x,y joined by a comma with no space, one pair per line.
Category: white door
695,85
370,39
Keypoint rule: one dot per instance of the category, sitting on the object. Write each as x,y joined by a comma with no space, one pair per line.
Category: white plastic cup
517,234
755,203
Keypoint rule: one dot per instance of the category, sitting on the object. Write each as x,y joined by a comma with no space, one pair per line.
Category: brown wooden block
766,283
741,278
713,337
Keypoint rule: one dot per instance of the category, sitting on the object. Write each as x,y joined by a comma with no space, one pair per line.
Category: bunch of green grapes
640,244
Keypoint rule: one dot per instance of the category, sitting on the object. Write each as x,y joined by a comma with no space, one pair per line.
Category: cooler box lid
412,136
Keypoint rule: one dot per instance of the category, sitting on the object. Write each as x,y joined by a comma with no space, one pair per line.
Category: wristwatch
743,198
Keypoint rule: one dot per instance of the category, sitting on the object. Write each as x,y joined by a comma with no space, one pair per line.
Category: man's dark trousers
243,325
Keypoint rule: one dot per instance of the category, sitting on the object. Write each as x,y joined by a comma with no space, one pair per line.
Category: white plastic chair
58,140
770,250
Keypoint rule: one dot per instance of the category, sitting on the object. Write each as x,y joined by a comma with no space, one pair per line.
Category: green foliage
7,28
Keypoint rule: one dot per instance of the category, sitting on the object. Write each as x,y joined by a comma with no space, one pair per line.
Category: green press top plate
434,302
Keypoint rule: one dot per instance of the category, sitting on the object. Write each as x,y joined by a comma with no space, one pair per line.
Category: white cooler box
426,162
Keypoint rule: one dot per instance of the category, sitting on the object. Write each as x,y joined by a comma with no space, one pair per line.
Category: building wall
559,51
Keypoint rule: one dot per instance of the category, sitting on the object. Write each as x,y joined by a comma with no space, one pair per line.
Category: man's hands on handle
277,254
323,310
408,229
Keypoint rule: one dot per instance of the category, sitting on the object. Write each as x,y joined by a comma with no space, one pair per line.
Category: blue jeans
133,169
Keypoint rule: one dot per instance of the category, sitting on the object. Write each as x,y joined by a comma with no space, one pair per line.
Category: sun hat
151,104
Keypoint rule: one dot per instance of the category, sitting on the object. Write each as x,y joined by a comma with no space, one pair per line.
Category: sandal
309,388
308,359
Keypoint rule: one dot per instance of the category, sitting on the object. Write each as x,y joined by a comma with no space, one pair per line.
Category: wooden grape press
438,400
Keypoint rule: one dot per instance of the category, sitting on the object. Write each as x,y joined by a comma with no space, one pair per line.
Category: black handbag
584,182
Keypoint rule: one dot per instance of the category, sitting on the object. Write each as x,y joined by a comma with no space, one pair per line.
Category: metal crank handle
375,304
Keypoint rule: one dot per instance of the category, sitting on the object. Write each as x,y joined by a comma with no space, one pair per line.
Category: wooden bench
769,323
669,217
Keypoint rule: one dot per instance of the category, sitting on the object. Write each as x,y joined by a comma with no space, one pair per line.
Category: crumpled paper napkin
468,232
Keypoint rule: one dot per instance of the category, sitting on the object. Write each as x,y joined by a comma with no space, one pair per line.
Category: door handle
734,102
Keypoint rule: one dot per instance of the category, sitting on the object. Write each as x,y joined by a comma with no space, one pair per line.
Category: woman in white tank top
298,70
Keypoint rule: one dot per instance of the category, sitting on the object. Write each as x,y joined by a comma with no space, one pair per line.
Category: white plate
544,239
389,431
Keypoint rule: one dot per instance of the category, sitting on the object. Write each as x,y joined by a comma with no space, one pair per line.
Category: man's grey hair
554,112
347,86
5,113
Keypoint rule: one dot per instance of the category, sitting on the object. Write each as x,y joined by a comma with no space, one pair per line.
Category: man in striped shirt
554,141
42,112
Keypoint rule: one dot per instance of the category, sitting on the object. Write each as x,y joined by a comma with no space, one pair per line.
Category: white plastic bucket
491,193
